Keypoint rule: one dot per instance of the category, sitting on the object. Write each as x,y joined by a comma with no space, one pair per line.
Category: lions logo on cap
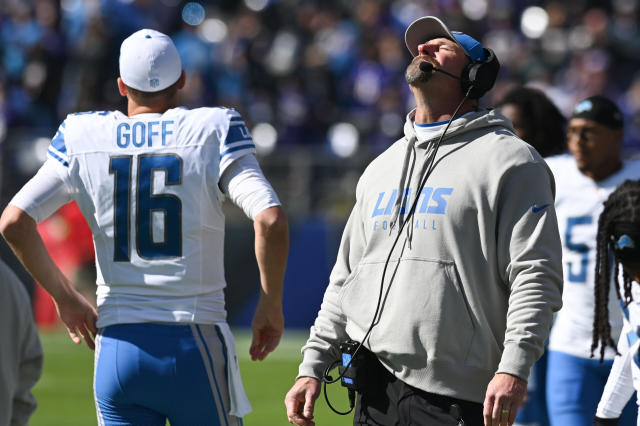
624,242
583,106
154,82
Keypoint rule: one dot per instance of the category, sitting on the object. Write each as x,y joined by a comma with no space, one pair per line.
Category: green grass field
65,395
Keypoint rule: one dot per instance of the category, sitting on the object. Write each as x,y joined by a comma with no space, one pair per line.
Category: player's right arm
21,232
40,197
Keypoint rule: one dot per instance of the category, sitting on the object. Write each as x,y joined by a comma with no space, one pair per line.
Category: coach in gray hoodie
449,269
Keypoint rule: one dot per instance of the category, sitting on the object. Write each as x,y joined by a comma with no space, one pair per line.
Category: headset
477,78
480,76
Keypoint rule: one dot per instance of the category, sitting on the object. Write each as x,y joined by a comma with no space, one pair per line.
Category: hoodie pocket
425,313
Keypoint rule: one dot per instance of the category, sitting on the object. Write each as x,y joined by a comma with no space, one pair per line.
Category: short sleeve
58,148
237,141
247,187
45,193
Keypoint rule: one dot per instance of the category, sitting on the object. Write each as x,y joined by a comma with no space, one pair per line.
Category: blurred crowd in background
320,84
324,77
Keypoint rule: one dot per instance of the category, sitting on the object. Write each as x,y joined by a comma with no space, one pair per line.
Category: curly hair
621,208
542,122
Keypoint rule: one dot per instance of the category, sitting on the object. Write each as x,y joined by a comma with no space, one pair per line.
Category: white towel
240,405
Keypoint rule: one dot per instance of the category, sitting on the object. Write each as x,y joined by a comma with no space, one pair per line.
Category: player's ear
182,80
122,88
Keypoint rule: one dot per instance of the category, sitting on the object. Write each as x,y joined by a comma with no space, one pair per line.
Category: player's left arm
247,187
619,388
529,257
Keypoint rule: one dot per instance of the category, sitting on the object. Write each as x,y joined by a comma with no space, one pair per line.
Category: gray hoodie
476,275
20,351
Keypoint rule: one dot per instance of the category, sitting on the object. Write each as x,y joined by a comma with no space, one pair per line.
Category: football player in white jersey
619,241
584,180
150,185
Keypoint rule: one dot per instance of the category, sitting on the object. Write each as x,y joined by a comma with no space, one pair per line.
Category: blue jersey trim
58,142
625,309
237,133
437,123
57,157
236,148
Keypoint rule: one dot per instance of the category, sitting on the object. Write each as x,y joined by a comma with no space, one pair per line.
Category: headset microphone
428,67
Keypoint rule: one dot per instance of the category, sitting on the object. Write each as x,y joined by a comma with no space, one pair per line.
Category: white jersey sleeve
237,141
619,387
247,187
45,193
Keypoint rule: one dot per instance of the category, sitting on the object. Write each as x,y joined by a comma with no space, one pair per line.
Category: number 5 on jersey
580,248
148,205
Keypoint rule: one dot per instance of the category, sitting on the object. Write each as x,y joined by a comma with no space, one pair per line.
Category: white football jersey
579,202
624,378
148,187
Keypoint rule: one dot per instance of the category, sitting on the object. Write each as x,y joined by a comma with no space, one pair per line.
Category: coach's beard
414,75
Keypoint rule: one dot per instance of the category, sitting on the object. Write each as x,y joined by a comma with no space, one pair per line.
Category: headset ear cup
480,76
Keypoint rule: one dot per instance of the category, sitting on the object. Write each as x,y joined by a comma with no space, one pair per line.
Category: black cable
432,159
326,397
326,379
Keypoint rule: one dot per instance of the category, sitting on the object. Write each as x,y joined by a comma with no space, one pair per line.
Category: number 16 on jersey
149,205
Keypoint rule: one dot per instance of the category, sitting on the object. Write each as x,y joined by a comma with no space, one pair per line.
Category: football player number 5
577,272
149,206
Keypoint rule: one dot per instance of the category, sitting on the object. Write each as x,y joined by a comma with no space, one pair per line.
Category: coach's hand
78,315
267,325
300,401
505,395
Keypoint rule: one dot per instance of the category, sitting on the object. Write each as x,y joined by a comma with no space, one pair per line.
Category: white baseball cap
149,61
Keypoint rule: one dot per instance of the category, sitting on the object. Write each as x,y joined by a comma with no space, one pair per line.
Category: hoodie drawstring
405,181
